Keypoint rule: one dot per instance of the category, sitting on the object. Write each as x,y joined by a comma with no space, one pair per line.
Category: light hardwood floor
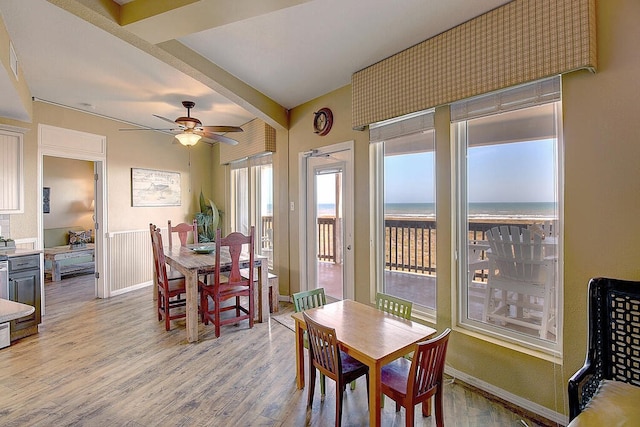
111,363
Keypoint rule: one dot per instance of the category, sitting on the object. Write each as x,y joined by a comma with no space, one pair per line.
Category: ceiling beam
97,13
158,21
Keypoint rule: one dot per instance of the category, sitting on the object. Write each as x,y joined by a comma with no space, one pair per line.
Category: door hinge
97,275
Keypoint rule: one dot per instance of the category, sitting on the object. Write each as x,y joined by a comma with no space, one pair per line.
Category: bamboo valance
522,41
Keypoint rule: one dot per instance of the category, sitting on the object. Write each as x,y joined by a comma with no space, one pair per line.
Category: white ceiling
290,51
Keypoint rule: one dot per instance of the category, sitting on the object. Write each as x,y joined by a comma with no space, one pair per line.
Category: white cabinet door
11,179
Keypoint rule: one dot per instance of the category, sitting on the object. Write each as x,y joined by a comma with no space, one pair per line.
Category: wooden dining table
191,264
369,335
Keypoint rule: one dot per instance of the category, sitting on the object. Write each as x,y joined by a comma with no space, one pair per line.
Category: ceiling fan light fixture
188,139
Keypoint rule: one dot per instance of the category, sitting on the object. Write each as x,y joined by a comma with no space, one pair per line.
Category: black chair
613,356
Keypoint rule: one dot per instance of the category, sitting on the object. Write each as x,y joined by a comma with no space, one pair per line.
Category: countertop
14,252
10,310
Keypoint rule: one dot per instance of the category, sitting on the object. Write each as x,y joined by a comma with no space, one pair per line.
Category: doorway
71,144
327,220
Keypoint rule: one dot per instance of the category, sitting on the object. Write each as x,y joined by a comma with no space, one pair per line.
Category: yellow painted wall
602,204
71,184
125,150
301,139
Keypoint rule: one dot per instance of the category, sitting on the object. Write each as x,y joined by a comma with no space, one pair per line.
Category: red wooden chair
410,383
169,289
325,356
183,229
230,285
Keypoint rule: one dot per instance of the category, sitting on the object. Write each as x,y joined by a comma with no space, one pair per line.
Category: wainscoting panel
130,260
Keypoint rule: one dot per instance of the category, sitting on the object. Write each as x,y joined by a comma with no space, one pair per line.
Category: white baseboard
131,288
509,397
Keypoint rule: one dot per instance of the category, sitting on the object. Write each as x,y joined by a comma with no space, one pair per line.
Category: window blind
528,95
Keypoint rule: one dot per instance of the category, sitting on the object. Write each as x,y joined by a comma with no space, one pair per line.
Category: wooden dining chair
325,356
170,290
309,299
183,229
394,305
303,301
410,383
231,285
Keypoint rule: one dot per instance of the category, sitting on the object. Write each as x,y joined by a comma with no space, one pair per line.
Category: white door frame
346,152
71,144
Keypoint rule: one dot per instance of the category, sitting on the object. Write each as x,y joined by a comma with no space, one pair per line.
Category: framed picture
46,193
154,188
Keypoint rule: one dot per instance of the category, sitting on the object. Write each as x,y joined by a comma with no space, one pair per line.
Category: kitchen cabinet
24,287
11,172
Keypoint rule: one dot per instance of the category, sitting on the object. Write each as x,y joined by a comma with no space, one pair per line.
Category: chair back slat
394,305
517,253
234,243
324,352
427,366
183,229
309,299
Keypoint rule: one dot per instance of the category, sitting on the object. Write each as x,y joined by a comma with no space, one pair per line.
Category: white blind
401,126
265,159
527,95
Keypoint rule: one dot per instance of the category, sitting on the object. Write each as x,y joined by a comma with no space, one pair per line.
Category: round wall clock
322,121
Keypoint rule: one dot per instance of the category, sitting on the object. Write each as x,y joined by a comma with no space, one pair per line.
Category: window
251,201
403,198
508,204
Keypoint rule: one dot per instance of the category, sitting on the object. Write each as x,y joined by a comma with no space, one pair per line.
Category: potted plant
208,220
7,242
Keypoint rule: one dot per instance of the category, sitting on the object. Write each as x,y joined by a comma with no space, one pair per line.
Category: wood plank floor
110,362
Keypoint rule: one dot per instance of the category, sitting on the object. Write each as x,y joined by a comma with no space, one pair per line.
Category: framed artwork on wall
151,187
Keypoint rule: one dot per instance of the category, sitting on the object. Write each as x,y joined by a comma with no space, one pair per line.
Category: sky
515,172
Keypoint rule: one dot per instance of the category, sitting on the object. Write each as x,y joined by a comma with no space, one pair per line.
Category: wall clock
322,121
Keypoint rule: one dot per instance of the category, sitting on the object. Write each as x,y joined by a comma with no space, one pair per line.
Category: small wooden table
59,253
369,335
191,264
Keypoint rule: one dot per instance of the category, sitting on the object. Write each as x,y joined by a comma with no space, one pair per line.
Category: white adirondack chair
521,280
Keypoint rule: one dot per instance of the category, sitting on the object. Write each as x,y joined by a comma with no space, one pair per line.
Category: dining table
193,260
369,335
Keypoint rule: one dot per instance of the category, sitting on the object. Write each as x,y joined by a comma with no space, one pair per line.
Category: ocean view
520,210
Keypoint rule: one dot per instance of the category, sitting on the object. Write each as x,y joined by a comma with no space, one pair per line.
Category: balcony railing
410,242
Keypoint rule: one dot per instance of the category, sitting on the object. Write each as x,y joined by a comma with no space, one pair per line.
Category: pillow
79,237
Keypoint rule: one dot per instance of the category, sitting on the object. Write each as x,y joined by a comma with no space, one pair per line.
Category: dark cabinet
24,287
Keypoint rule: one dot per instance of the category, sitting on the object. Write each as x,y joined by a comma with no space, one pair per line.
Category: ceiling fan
191,129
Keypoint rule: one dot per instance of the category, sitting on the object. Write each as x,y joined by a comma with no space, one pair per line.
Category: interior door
328,222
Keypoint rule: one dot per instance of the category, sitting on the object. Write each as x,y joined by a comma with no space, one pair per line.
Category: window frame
419,122
459,147
252,197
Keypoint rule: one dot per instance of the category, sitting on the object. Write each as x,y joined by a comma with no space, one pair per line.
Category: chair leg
252,307
439,409
410,415
339,396
312,384
216,312
167,322
426,408
323,385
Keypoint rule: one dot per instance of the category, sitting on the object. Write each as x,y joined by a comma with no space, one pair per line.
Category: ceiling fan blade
219,138
221,128
165,119
166,130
